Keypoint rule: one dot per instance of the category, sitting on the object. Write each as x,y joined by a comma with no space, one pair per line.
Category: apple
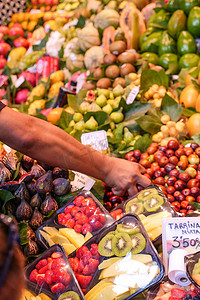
16,30
21,42
4,29
2,62
2,93
4,48
30,77
22,96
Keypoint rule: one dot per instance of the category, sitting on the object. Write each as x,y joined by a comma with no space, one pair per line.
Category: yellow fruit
188,77
68,247
54,115
108,262
70,110
57,76
14,18
25,25
31,25
197,107
189,96
51,230
37,104
77,239
193,124
54,89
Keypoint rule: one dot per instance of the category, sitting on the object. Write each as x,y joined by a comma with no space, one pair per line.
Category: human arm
53,146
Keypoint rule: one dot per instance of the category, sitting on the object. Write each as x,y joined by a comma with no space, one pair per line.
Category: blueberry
188,296
196,298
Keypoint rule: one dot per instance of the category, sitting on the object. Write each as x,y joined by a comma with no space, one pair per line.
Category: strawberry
58,274
68,209
93,264
94,249
81,251
48,277
90,210
74,262
70,223
175,292
56,255
83,209
33,275
77,215
42,263
43,270
80,267
83,280
97,225
86,257
40,279
88,201
59,262
60,218
67,279
57,288
86,228
82,220
78,200
173,298
86,270
78,228
102,219
74,210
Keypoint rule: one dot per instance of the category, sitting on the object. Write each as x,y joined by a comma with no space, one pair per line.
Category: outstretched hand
124,175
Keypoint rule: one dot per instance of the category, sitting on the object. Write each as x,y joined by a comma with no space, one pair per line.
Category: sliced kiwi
127,229
121,244
134,207
138,243
153,202
70,295
145,193
105,247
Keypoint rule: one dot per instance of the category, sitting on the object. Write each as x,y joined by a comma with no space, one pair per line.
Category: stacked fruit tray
193,268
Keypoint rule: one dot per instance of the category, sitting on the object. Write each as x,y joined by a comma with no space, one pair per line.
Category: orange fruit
193,124
189,96
54,115
188,77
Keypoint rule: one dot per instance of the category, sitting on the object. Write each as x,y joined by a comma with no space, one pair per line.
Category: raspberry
74,262
43,270
93,264
90,210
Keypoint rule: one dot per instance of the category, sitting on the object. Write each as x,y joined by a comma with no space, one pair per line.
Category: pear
117,116
94,107
84,107
128,136
101,100
108,109
118,91
104,92
79,125
91,124
77,117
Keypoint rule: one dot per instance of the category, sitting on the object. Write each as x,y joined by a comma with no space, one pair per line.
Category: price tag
19,81
82,181
180,233
96,139
133,94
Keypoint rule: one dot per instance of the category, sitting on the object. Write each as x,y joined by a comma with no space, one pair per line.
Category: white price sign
133,94
82,181
96,139
19,81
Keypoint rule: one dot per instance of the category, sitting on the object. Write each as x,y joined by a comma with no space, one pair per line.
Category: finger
132,190
141,169
118,192
143,181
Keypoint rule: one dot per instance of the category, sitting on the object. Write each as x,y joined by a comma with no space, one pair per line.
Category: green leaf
188,112
16,171
149,124
123,152
81,22
41,116
6,71
77,135
100,33
195,73
131,124
170,107
26,85
181,77
100,116
119,130
143,143
74,102
23,233
196,85
150,77
136,109
173,68
196,205
61,52
65,119
42,43
5,196
98,190
62,200
196,138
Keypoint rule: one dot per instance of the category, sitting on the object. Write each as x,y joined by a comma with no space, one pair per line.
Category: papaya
108,38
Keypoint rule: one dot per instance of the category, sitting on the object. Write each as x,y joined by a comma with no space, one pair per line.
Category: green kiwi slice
105,246
134,207
153,202
145,193
127,229
70,295
121,244
138,243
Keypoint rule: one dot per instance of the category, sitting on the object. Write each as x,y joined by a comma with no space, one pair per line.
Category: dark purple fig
45,166
26,178
37,170
27,162
36,220
5,174
10,207
58,172
35,201
31,187
10,160
22,193
24,211
48,205
45,183
61,186
31,248
30,233
22,172
10,186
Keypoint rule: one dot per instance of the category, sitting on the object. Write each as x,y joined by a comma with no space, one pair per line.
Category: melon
106,18
94,57
88,37
75,61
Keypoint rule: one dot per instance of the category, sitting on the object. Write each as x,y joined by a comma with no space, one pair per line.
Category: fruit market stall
127,70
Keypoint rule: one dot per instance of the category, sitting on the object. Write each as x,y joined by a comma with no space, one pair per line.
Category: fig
30,233
112,71
10,160
10,186
26,178
79,125
98,72
45,166
126,69
58,172
35,201
91,124
84,106
21,171
101,100
117,117
31,248
118,91
109,59
61,186
117,47
22,193
27,162
108,109
94,107
31,187
36,220
37,170
44,183
120,81
104,83
24,211
5,174
48,205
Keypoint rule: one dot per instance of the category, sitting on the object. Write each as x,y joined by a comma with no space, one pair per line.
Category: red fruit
78,200
2,62
173,144
81,251
77,215
86,228
30,77
60,218
97,225
82,220
33,275
83,280
42,263
56,255
93,264
57,288
40,279
16,30
90,210
80,266
48,277
102,219
74,262
4,29
68,209
67,279
94,249
88,201
22,96
74,210
175,292
86,257
59,274
67,216
57,263
70,223
43,270
21,42
4,48
83,209
173,298
78,228
86,270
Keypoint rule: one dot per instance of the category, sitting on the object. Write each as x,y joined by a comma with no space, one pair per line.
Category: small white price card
133,94
82,181
180,233
96,139
19,81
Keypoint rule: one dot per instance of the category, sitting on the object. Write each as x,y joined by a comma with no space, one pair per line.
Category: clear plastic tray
190,261
129,219
73,285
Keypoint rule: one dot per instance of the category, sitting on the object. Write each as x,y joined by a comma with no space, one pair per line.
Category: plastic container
132,220
53,221
73,285
165,207
190,261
